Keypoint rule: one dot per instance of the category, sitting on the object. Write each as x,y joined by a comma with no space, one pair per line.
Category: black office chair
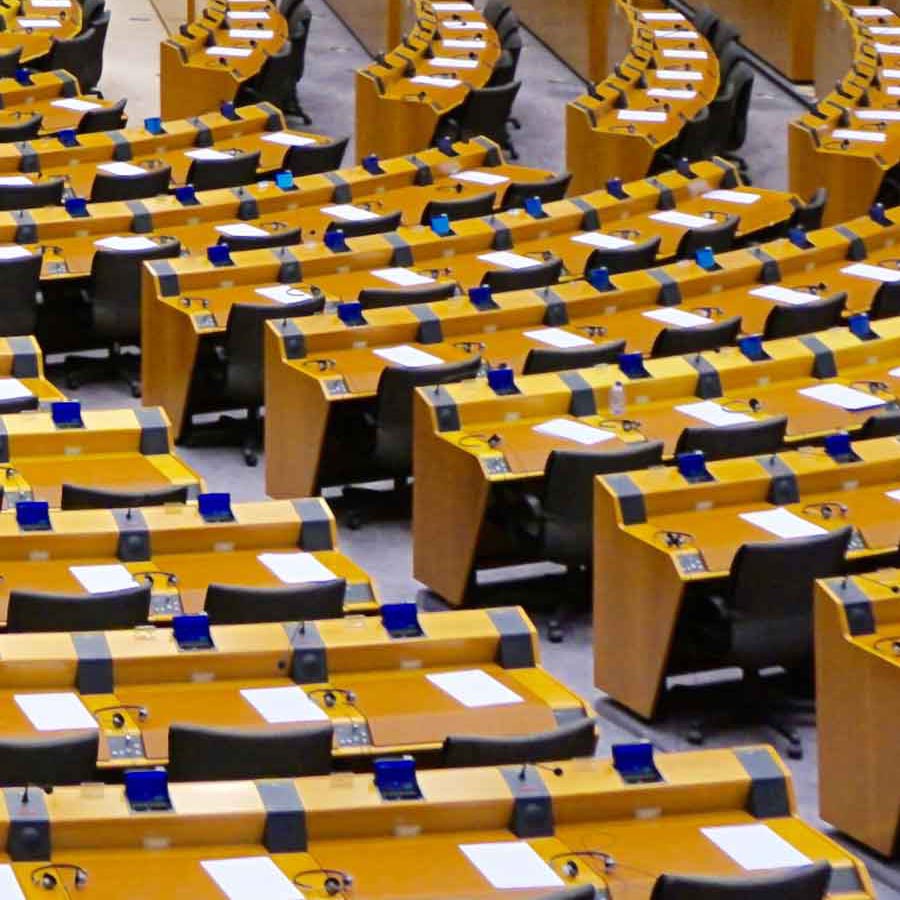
108,118
802,883
32,196
383,298
762,619
511,44
91,10
558,359
808,215
886,303
299,23
883,424
541,274
691,143
494,11
229,604
625,259
75,496
49,761
379,225
547,191
151,183
114,297
9,62
679,341
724,34
745,439
278,237
786,320
230,754
484,112
81,56
19,285
274,83
566,742
582,892
210,174
31,611
719,237
465,208
313,159
705,21
25,129
233,374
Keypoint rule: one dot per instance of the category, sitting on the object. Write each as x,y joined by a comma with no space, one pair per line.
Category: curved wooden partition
34,27
376,24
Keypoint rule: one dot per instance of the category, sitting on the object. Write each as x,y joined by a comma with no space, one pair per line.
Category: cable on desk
472,441
323,365
118,719
827,509
675,540
44,877
336,880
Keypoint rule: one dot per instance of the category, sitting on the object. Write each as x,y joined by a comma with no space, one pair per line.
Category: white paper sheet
446,62
103,579
504,259
464,43
780,294
874,12
14,251
229,51
672,93
893,90
286,139
349,213
651,16
13,389
296,568
885,30
50,4
685,54
75,104
453,7
887,49
206,153
509,865
475,177
283,293
713,414
676,34
463,26
434,81
683,220
744,199
842,396
642,115
892,495
39,23
877,115
248,16
282,705
678,75
677,317
755,847
55,712
251,34
782,523
121,168
125,242
578,432
851,134
402,277
558,337
890,73
601,240
408,357
474,688
251,878
241,229
15,181
9,885
872,272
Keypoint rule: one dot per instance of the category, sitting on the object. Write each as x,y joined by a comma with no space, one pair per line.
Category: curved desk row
33,26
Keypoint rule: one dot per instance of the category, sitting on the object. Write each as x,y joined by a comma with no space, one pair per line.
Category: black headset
44,877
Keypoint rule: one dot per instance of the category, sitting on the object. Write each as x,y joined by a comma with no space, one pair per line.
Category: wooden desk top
40,28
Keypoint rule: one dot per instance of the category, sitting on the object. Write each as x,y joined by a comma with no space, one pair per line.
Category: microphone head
143,713
81,878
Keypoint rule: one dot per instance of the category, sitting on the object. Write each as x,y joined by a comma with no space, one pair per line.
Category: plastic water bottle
617,399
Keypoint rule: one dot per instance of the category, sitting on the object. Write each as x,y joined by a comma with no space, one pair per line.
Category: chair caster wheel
795,750
354,521
136,391
555,633
694,737
72,382
250,458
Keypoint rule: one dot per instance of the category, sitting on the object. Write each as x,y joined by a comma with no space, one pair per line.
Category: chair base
366,504
295,110
228,430
577,589
117,366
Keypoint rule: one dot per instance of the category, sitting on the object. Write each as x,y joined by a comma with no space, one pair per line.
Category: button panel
691,563
126,746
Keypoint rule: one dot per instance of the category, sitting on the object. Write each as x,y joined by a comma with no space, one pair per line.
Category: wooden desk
639,581
44,26
857,632
195,80
377,24
21,358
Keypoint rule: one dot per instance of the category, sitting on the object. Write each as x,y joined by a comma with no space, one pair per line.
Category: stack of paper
13,389
683,220
283,293
103,579
475,177
75,104
435,81
872,272
402,277
284,705
241,229
511,865
677,317
228,51
844,397
574,431
474,688
756,847
558,337
745,198
642,115
710,412
121,168
206,153
349,213
296,568
55,712
601,240
251,878
287,139
506,260
782,523
780,294
125,242
408,357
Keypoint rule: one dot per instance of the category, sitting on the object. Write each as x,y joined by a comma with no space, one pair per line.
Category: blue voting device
797,236
335,242
228,111
351,314
68,137
395,778
186,195
76,207
502,381
192,632
219,255
440,225
634,762
859,325
616,188
599,279
153,125
371,164
401,619
692,467
632,365
66,414
482,298
215,507
33,515
23,76
706,259
879,216
285,181
752,348
535,208
445,145
839,448
147,790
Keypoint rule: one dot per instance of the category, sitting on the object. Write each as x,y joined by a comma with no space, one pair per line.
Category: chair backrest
82,56
299,23
18,404
107,187
568,502
394,408
567,742
886,303
486,110
232,604
32,196
705,20
729,57
809,215
50,761
678,341
785,320
745,439
75,496
91,10
883,424
24,130
547,191
558,359
382,298
740,80
494,11
803,883
465,208
9,62
315,158
108,118
38,611
379,225
718,237
275,80
693,139
210,174
624,259
723,35
284,237
19,284
116,289
244,345
541,274
226,754
582,892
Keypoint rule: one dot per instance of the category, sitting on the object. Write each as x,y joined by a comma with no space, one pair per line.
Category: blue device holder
186,195
215,507
692,467
440,225
395,778
616,188
445,145
23,76
153,125
860,326
66,414
632,365
401,620
147,790
878,215
351,314
68,137
33,515
502,381
535,208
192,632
76,207
752,348
482,298
371,164
219,255
634,762
285,181
335,241
797,236
839,448
706,259
599,279
229,112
